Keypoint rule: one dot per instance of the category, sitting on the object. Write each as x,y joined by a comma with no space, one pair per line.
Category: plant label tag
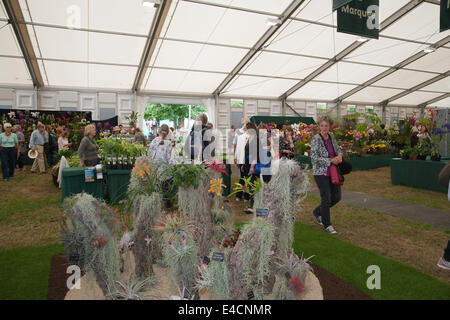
262,212
218,256
74,257
250,295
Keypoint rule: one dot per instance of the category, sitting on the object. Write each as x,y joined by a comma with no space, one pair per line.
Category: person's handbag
444,175
336,176
345,167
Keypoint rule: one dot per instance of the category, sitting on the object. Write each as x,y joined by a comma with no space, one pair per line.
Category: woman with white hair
88,149
9,151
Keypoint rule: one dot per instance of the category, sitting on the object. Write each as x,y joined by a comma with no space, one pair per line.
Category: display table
358,163
117,182
73,182
417,174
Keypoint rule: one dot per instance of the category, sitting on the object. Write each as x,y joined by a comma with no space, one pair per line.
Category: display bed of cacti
191,251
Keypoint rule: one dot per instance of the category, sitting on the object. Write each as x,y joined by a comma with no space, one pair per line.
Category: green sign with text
360,17
339,3
445,15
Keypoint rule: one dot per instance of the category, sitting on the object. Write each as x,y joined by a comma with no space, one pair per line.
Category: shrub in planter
423,149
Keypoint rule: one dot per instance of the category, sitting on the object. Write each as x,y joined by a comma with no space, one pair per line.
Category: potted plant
413,153
435,148
405,153
423,149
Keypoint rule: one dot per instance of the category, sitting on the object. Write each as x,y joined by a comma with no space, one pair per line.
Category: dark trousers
447,252
330,194
8,156
20,162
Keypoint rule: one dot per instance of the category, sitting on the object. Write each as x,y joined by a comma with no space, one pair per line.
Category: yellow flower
142,169
216,186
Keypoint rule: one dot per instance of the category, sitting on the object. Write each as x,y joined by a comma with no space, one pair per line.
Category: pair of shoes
5,179
330,230
238,199
444,264
318,219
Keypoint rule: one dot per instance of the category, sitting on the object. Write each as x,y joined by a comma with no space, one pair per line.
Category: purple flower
99,124
69,113
437,131
84,115
446,126
77,117
107,125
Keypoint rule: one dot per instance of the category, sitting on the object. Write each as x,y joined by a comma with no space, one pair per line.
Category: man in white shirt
239,157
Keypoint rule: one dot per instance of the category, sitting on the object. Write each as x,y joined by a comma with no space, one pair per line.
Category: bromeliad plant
248,187
133,289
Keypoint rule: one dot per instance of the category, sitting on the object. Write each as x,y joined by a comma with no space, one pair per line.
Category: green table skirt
226,180
117,182
73,182
360,163
417,174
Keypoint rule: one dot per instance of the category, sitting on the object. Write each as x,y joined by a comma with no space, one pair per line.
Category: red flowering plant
230,240
217,166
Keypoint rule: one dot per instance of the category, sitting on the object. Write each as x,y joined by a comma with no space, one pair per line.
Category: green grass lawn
349,262
24,272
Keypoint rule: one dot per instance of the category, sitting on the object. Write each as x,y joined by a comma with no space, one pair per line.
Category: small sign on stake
250,295
262,212
218,256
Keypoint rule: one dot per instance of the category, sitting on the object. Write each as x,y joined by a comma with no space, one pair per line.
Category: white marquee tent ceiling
202,41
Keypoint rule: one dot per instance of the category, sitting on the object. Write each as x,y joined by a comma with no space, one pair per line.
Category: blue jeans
8,156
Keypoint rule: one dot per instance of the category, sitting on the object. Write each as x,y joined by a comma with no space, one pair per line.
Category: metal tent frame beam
393,69
417,87
15,14
259,45
445,96
155,31
386,23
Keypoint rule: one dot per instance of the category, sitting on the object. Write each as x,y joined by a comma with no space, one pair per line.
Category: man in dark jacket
199,139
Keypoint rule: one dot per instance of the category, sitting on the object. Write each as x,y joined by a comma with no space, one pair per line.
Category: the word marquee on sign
445,15
360,17
339,3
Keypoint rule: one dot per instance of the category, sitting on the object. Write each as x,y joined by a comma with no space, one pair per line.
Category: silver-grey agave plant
133,289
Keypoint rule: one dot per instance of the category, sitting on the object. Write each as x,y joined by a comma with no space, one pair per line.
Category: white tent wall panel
263,107
47,101
26,99
250,108
311,109
89,102
300,107
7,98
108,100
68,99
275,108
